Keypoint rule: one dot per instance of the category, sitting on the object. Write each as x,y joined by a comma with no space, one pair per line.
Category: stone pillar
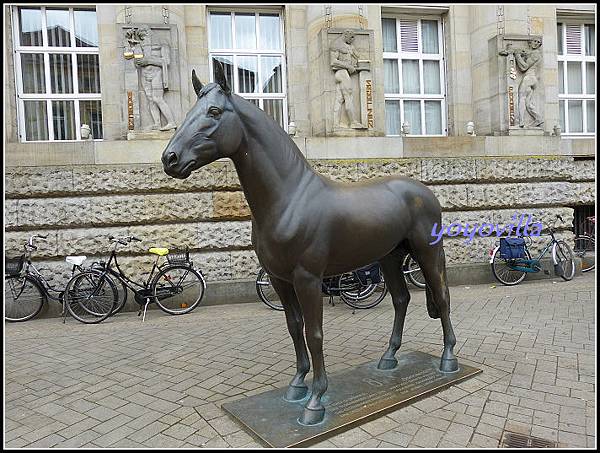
10,107
196,54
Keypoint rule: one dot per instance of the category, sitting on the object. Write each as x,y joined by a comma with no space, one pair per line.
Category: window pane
271,75
561,109
429,31
32,67
561,77
575,116
269,31
590,78
57,23
412,115
245,31
410,76
63,117
431,77
88,73
433,117
391,81
559,37
591,116
61,75
574,77
90,113
392,117
590,39
256,102
390,40
36,120
274,108
86,28
30,26
247,68
220,31
227,62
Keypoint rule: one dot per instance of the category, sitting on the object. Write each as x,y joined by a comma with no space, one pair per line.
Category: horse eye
215,111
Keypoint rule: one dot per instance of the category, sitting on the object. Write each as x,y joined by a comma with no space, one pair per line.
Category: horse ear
220,77
196,82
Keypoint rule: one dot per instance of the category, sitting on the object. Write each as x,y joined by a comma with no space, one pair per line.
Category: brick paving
124,383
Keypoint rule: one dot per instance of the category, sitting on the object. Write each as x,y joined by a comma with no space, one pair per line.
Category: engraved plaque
356,396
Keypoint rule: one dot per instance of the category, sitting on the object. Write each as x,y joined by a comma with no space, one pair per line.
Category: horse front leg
308,291
297,389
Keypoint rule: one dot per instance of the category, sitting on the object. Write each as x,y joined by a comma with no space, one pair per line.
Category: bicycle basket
179,257
370,274
512,248
13,266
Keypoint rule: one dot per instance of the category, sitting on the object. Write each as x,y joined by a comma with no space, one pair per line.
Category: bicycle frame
129,283
533,265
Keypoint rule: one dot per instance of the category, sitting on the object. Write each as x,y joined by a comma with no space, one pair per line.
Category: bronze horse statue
306,226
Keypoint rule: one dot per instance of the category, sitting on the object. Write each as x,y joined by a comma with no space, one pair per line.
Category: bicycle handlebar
31,238
123,240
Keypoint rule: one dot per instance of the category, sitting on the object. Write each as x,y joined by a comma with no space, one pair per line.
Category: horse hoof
312,416
296,393
449,365
387,364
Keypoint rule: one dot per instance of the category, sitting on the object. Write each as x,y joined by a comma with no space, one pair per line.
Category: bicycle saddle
160,251
76,260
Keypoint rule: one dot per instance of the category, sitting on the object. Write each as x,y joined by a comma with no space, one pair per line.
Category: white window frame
399,55
236,53
582,59
46,50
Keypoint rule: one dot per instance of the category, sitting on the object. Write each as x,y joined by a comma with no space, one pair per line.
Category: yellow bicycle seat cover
160,251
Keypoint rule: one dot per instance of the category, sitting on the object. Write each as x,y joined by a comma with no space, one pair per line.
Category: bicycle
511,260
363,288
584,244
26,290
177,288
413,272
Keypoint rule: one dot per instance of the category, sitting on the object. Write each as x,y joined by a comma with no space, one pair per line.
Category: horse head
211,130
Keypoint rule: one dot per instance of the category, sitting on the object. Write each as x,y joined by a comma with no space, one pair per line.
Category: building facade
493,106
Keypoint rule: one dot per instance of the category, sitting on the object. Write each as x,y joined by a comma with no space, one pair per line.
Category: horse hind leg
432,260
395,282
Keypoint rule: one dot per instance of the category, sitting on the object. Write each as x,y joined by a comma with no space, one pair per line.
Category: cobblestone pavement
124,383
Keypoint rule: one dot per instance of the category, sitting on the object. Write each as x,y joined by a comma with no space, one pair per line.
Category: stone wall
78,206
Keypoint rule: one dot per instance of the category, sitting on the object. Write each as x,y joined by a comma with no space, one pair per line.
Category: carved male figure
155,77
527,60
344,61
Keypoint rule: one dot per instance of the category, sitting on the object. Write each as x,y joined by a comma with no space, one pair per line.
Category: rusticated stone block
448,170
403,167
338,170
22,181
222,235
549,169
230,205
585,193
451,196
113,179
520,195
15,240
233,181
11,211
244,264
501,169
583,170
210,177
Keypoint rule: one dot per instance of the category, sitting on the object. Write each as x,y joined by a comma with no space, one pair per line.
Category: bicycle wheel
266,292
412,270
360,296
504,270
122,299
90,296
565,263
585,249
178,289
24,297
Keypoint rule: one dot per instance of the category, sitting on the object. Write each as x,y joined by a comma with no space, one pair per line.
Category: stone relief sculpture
152,59
526,60
344,62
306,226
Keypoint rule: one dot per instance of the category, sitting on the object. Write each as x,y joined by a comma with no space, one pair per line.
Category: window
576,78
413,66
250,47
57,72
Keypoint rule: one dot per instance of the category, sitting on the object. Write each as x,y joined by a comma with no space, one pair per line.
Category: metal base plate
354,396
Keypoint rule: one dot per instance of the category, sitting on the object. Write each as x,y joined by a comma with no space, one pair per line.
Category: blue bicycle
511,260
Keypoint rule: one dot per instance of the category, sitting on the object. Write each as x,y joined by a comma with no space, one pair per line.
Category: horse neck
269,164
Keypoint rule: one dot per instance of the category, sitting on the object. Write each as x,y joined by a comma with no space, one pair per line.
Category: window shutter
573,39
409,36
